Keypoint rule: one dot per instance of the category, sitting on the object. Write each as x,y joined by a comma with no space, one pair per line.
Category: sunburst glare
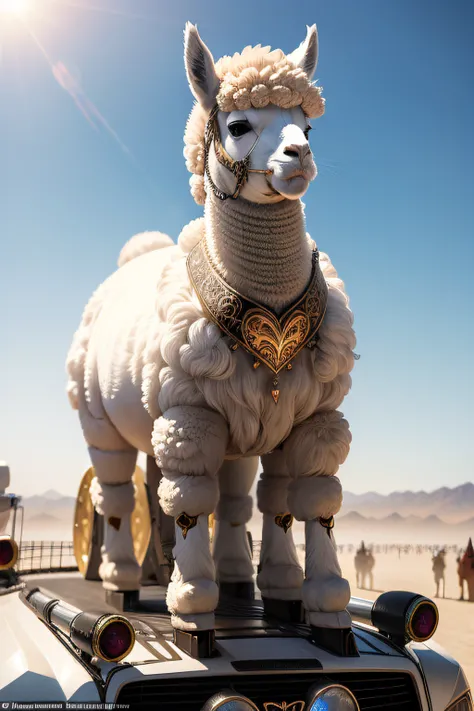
15,7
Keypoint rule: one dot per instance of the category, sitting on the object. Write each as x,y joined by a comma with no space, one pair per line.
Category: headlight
331,697
229,701
464,703
8,552
421,620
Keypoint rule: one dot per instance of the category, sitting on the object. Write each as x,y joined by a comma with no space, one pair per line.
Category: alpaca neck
261,251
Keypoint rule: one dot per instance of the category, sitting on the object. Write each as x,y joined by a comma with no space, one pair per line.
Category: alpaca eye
239,128
306,131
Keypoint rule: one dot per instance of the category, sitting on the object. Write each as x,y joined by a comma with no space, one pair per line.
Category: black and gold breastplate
272,340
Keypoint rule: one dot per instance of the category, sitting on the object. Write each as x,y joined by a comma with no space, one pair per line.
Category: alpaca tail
143,243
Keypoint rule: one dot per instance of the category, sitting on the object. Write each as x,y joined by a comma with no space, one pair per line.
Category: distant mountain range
51,504
395,522
449,505
442,510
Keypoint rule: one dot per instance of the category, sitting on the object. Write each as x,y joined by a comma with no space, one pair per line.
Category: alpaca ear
306,56
199,63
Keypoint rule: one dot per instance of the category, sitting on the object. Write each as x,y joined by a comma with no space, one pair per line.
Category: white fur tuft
272,494
319,445
234,509
190,440
194,495
112,500
141,244
314,497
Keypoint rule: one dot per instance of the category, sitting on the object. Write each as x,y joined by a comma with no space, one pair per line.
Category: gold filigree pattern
293,706
328,524
271,339
284,520
186,522
275,342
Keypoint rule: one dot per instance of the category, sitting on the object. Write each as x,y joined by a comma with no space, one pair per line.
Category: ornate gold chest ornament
272,340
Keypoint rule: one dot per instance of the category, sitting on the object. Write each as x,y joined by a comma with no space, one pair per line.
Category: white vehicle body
265,662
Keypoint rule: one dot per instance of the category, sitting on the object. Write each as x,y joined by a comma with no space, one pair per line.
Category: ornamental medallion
273,340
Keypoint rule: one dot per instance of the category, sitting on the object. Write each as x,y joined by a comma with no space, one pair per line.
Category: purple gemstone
6,552
424,621
115,640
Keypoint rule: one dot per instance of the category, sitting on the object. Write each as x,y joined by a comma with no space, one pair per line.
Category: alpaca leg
315,449
231,550
280,576
112,491
113,495
189,445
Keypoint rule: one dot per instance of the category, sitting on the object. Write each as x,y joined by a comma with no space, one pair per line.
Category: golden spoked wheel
211,522
84,520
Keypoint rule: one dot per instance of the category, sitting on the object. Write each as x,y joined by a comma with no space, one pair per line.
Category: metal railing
45,556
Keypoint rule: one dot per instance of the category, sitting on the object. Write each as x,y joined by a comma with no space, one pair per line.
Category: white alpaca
150,371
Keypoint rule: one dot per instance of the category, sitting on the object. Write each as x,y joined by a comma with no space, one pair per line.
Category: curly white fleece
181,359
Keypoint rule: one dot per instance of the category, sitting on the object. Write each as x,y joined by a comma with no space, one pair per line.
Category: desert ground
413,572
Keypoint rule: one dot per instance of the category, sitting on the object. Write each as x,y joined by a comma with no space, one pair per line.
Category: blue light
319,705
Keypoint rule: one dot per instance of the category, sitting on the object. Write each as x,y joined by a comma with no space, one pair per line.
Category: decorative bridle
239,168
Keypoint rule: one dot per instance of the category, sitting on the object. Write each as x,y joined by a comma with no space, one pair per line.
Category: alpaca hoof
198,644
285,610
273,579
193,623
193,597
120,576
124,601
340,642
231,570
334,620
327,594
241,591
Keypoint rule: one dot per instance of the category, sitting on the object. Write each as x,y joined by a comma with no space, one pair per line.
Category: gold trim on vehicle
98,631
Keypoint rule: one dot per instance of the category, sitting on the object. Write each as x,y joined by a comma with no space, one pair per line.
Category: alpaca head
257,107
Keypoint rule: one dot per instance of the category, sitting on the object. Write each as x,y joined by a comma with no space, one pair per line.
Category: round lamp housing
405,616
329,696
8,552
228,700
109,637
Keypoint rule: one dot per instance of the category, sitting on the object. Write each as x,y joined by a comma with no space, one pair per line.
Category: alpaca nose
297,150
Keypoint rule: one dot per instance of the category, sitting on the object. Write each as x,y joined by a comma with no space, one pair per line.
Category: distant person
438,568
466,571
370,568
364,562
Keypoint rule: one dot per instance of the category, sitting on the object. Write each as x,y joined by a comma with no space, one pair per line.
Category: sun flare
15,7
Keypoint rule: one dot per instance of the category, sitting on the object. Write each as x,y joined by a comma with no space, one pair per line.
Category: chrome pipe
361,610
62,617
400,615
109,637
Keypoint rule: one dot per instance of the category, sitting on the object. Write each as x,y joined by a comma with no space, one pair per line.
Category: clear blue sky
393,206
